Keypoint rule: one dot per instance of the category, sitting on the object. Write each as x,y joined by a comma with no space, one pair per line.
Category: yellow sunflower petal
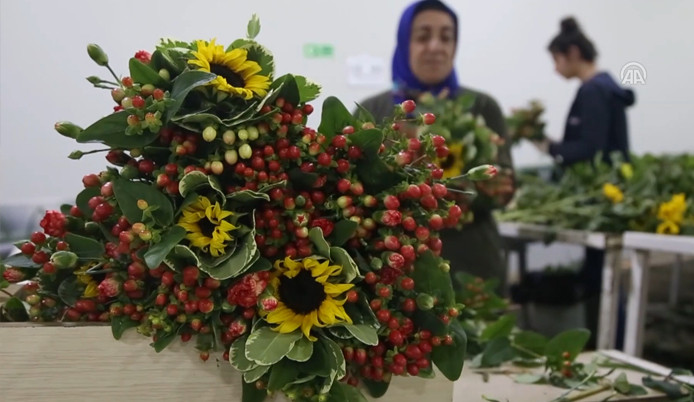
308,322
336,289
279,314
290,325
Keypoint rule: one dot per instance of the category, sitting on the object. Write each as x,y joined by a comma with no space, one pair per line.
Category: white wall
43,63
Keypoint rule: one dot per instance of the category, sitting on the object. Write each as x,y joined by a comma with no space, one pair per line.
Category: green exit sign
318,50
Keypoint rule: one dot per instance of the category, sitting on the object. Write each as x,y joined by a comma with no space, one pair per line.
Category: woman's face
432,46
565,64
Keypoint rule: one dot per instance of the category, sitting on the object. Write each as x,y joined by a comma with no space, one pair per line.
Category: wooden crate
41,362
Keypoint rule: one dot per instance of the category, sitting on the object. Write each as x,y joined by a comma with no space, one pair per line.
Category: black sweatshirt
597,122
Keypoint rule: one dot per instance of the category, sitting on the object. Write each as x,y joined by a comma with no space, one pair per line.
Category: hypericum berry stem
114,75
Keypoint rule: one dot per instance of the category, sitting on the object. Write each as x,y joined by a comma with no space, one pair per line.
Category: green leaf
180,257
429,320
530,341
164,339
449,359
267,347
253,27
129,192
156,253
499,329
68,291
84,247
376,175
110,130
572,341
144,74
261,264
263,56
82,200
497,351
281,374
319,364
170,59
237,355
334,118
528,378
364,333
341,257
286,88
316,236
251,393
14,310
198,180
300,179
199,120
431,279
368,140
345,392
337,363
621,384
255,373
19,260
376,389
120,324
343,231
247,197
182,85
243,258
302,350
308,90
364,114
671,389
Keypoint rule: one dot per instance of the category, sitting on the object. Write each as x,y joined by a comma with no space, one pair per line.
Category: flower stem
95,151
6,292
114,75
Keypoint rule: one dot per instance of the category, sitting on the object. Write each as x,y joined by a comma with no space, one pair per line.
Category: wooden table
500,384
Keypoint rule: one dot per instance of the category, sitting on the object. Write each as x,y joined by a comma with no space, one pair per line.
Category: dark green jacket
477,248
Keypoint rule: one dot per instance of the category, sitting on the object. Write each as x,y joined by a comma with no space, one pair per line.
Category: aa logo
633,73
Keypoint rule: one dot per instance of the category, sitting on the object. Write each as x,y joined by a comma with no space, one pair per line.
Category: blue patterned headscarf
403,78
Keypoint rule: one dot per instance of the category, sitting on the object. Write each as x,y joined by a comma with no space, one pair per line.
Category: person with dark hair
423,63
597,122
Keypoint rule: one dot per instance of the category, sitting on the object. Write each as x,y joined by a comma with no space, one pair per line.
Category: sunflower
674,209
452,164
306,296
613,193
206,226
236,74
668,227
91,287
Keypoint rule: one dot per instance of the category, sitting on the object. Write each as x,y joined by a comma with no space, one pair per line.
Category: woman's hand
500,188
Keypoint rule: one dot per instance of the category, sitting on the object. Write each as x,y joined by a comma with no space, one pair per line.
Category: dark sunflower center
448,162
233,79
302,294
206,227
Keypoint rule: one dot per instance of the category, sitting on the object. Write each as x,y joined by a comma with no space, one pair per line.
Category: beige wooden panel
56,363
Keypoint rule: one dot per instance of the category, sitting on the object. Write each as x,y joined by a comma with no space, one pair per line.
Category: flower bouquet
525,123
469,142
307,259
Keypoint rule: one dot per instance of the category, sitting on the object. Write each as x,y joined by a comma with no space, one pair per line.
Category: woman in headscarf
423,62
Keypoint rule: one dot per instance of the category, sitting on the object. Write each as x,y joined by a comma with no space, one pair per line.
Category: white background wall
43,63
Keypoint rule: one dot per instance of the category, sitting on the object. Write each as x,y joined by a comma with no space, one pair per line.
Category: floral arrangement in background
525,123
469,142
309,259
649,194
